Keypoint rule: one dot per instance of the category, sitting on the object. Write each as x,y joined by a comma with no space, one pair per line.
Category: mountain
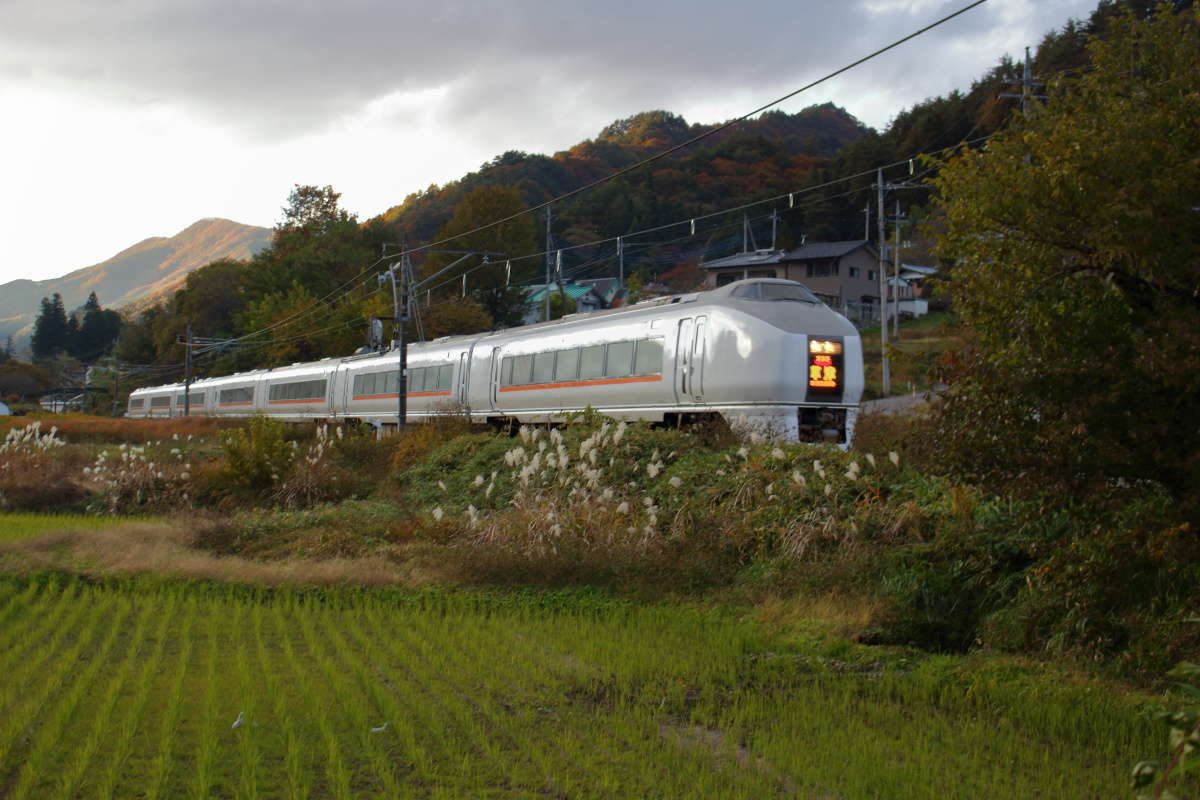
774,153
148,269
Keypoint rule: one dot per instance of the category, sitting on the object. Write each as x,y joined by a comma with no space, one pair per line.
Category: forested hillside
310,293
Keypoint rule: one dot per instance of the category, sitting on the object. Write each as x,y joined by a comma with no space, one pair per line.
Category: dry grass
167,549
844,612
113,430
38,481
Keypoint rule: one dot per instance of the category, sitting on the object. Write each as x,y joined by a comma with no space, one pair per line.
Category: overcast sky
134,118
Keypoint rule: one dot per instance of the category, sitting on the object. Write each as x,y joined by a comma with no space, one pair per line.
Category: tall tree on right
1075,242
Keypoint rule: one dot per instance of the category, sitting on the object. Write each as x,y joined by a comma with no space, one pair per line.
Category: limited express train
765,354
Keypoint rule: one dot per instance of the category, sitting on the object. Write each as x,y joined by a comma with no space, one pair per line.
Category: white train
766,355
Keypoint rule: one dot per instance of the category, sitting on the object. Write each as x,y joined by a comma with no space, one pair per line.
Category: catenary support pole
885,376
187,380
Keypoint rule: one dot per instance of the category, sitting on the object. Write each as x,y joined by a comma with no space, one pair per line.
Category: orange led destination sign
824,365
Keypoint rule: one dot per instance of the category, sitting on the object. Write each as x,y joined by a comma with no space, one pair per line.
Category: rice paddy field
155,688
15,527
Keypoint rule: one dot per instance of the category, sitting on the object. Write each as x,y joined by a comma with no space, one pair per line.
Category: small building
835,271
610,290
843,274
585,297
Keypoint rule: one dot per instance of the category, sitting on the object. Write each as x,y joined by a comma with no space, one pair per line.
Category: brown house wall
840,286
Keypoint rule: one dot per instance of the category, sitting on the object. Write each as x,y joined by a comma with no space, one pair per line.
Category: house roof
918,269
572,290
819,250
752,259
607,288
814,251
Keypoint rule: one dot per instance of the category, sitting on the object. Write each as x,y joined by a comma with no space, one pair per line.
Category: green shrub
257,454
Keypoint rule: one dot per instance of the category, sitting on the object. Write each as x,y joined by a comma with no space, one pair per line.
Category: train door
337,391
683,360
464,363
696,382
494,388
689,360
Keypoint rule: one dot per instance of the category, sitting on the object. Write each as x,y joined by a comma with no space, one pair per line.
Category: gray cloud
522,70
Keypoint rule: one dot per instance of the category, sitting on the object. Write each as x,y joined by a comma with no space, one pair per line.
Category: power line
631,168
725,126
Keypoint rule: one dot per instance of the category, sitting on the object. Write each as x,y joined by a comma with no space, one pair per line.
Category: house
586,299
911,291
838,272
610,290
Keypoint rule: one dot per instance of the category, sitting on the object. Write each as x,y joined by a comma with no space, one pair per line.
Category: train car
765,354
156,402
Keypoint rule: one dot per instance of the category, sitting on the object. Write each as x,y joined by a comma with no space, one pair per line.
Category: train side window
566,368
620,360
543,367
416,379
445,377
387,382
591,362
368,383
506,366
649,358
522,369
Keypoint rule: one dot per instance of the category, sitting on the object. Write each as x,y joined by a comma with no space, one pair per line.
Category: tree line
86,334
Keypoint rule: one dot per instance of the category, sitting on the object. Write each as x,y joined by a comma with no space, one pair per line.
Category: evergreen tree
51,332
96,333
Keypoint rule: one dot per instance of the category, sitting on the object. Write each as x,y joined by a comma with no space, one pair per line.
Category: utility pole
1027,86
867,222
621,260
187,379
896,276
774,226
116,386
549,258
562,293
885,377
403,290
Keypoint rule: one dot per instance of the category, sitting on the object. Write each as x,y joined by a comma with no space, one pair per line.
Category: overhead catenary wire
636,166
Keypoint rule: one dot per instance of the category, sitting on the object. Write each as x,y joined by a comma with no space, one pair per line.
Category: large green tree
494,287
1076,245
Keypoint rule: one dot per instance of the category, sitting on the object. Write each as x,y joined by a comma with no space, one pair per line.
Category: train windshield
777,291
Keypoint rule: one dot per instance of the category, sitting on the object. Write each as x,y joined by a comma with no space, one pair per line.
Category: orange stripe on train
396,396
574,384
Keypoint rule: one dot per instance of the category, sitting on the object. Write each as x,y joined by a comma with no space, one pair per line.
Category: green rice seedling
38,762
296,776
203,777
363,711
320,705
53,669
162,761
100,716
398,707
132,717
53,615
